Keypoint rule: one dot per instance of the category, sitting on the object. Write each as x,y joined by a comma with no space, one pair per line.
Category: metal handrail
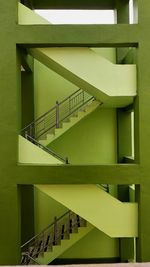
46,149
54,117
26,254
58,237
58,113
45,229
65,99
49,111
52,235
59,229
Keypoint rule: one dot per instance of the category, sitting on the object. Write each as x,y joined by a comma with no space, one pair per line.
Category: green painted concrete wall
95,245
27,96
124,134
45,209
27,212
49,87
92,140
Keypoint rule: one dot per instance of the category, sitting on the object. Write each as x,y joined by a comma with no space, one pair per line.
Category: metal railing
52,235
53,118
46,149
56,115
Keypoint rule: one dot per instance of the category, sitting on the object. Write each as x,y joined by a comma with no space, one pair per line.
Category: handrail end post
67,161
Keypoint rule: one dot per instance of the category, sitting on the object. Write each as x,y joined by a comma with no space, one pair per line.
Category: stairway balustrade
53,119
58,230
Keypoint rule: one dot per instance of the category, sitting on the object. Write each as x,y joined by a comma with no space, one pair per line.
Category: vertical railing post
69,105
26,134
57,114
67,162
55,231
83,96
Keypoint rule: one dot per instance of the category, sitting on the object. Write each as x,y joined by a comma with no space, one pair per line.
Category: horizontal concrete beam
118,35
64,174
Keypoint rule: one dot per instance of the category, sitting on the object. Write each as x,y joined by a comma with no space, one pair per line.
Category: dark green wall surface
121,35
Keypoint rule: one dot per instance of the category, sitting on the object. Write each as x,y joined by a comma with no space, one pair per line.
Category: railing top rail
50,110
65,99
39,118
45,229
57,238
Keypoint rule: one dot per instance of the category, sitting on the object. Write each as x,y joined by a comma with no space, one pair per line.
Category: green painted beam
64,174
77,35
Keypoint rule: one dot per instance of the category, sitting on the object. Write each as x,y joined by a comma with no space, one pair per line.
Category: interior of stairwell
50,87
45,83
46,208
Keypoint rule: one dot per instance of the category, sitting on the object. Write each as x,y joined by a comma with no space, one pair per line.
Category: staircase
59,119
113,84
55,239
92,201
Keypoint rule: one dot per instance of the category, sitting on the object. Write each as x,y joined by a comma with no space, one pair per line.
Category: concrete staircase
55,239
92,203
70,122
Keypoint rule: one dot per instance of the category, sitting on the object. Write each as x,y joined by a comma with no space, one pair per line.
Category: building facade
104,137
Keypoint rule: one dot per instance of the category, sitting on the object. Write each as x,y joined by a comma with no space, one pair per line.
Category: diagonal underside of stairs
108,214
30,153
112,84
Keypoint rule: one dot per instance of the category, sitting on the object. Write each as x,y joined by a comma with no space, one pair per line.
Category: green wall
27,96
94,245
124,134
45,209
91,141
49,87
27,212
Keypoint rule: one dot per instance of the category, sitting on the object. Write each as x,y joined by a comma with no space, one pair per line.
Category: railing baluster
50,236
83,96
52,119
57,114
55,231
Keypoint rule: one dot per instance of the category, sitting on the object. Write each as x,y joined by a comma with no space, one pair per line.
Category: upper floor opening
95,12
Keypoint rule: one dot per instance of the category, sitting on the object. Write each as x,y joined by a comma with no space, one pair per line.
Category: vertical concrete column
9,123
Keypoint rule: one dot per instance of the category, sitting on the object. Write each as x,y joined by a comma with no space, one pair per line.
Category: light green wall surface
32,154
95,245
45,209
124,135
48,88
90,141
92,203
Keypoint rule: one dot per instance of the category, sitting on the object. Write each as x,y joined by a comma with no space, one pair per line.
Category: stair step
68,123
65,244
